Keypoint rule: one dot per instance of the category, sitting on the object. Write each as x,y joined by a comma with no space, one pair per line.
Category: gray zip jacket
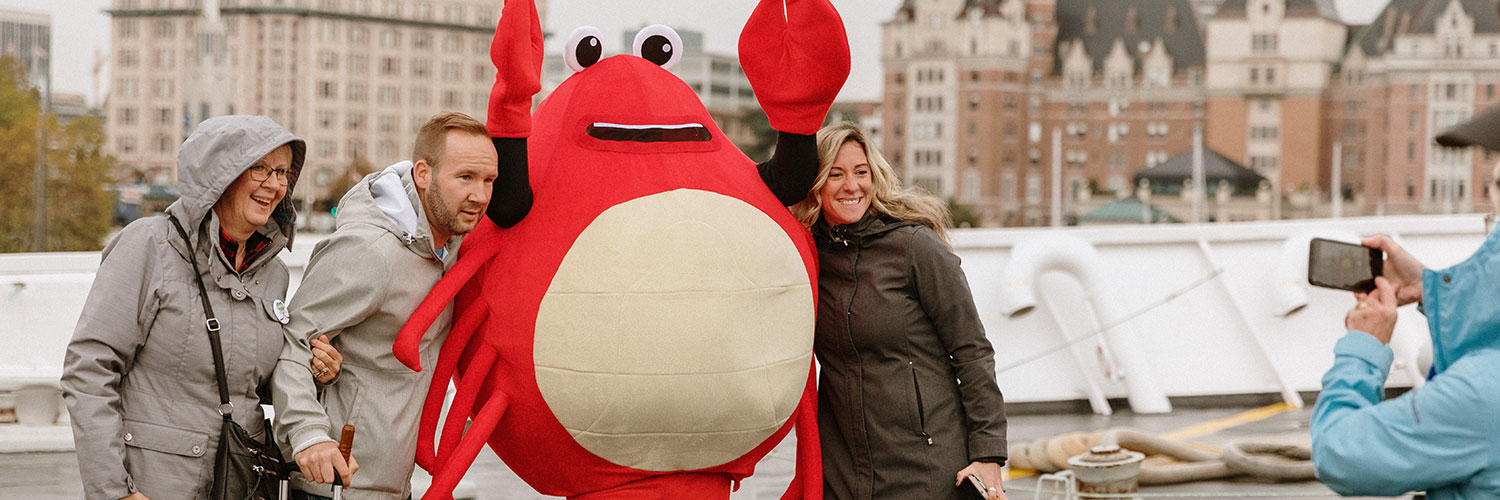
360,286
138,376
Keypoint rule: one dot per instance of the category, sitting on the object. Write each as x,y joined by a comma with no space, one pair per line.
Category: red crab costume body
645,330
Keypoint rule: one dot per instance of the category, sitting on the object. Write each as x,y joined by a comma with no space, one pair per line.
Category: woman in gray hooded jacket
138,376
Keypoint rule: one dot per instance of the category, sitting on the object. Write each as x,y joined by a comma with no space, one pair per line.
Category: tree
963,215
78,206
344,180
758,126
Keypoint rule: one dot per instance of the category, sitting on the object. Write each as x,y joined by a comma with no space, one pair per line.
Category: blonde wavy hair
887,196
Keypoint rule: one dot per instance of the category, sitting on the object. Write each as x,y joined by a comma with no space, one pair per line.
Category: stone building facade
355,78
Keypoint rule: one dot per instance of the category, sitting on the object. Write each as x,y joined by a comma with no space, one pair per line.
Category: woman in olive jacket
138,376
908,406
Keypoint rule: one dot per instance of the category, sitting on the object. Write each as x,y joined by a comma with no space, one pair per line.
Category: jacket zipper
921,410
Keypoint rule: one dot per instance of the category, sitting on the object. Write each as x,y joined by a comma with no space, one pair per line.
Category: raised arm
516,52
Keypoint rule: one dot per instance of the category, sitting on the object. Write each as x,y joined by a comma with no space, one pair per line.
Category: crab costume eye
660,45
584,48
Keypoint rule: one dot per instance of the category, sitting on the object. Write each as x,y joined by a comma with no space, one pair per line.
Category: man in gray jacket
398,231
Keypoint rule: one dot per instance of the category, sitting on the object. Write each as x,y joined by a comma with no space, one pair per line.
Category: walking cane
346,444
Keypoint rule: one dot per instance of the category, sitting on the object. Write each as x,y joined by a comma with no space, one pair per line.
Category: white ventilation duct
1058,252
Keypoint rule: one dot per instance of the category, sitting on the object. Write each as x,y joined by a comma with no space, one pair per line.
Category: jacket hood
869,227
217,152
388,200
1460,305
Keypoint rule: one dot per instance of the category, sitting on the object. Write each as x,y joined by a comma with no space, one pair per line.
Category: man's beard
446,217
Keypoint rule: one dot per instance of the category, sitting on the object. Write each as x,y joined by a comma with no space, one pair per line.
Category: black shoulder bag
243,468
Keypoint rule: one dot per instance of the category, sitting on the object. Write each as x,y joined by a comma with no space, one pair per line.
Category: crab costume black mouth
686,132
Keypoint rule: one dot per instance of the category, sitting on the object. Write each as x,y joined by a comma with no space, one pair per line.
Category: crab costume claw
518,62
796,56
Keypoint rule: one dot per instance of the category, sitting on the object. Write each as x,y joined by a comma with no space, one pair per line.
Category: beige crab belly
677,333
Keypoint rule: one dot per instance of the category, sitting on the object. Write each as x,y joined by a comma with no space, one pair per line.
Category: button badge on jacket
281,313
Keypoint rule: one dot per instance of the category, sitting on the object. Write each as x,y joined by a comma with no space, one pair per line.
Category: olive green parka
907,395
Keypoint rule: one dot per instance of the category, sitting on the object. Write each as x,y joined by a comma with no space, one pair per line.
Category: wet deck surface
48,476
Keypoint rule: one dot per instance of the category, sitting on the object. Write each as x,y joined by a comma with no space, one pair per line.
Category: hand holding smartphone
984,491
1343,266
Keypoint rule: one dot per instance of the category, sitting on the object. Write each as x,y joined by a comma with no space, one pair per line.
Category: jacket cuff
1363,346
988,448
120,487
992,460
305,437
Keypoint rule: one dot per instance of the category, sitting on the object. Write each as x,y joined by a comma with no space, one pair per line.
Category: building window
419,96
356,121
164,116
128,29
327,90
1270,76
1263,43
390,66
328,60
359,64
1411,151
326,119
164,29
389,95
127,145
971,186
1411,121
451,72
164,88
420,68
1254,75
356,92
482,73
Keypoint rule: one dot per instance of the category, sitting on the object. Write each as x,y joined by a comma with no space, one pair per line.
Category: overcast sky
80,28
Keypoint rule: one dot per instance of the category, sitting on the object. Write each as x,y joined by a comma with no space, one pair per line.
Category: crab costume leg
807,477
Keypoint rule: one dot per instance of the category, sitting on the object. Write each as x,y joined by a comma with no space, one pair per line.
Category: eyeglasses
260,173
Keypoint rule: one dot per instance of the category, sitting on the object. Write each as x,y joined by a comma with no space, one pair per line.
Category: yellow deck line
1200,430
1213,426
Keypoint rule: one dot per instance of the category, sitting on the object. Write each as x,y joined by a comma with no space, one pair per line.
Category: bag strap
225,408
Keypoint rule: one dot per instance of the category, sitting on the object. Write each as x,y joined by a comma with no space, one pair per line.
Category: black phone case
1377,260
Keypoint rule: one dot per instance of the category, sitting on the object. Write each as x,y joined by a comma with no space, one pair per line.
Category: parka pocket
916,391
166,459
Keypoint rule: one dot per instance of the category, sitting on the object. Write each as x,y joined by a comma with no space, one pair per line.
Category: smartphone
1343,266
984,492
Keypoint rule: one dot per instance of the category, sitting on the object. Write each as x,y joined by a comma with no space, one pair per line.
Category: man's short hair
433,136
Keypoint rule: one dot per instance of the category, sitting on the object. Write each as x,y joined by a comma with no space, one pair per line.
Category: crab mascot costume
643,326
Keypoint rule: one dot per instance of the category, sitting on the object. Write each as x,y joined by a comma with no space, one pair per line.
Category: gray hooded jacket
361,285
138,376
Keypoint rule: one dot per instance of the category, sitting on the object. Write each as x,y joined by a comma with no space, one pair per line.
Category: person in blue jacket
1443,438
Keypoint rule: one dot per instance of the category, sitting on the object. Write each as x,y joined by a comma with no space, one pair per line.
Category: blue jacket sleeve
1434,436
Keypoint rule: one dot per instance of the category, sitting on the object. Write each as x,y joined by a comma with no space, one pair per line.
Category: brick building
1421,66
975,89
